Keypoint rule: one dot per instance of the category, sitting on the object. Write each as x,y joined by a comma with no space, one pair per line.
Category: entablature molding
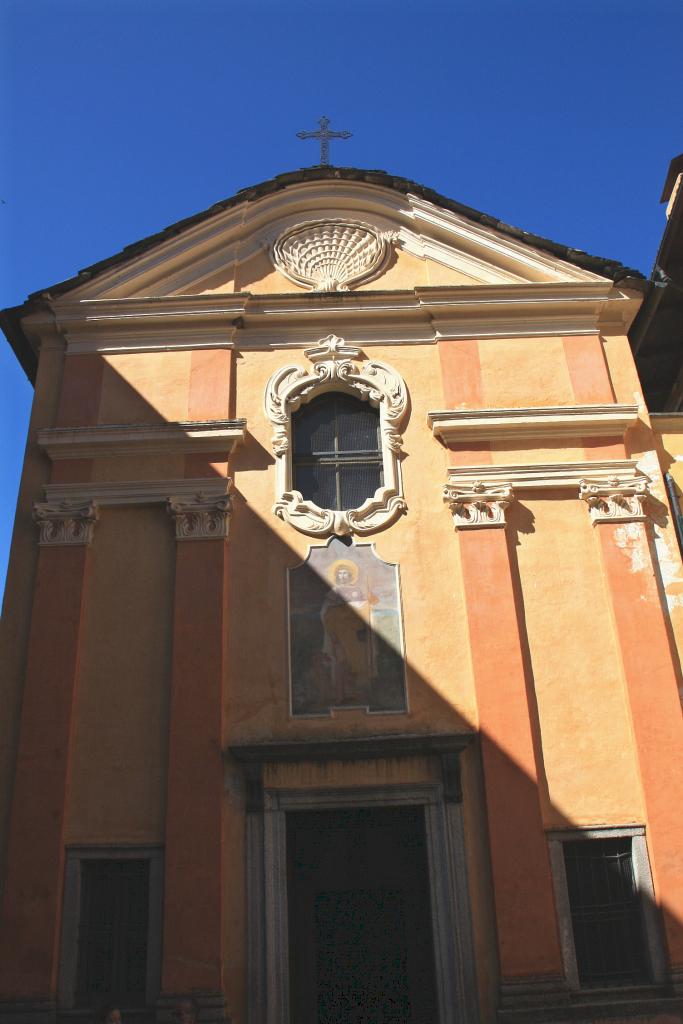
418,315
110,493
111,439
357,748
66,523
547,476
479,496
447,747
550,421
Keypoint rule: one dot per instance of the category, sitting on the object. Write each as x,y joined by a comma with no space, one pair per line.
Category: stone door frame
268,939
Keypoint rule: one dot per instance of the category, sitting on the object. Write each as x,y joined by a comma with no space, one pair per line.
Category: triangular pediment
328,235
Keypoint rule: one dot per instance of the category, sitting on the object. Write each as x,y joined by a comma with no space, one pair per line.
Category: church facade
341,628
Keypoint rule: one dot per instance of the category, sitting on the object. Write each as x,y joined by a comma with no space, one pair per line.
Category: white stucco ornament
65,523
478,505
337,366
615,500
332,255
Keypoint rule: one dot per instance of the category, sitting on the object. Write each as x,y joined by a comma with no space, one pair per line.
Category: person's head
185,1012
342,573
111,1015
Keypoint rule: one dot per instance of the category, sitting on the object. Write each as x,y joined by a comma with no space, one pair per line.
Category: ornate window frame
338,367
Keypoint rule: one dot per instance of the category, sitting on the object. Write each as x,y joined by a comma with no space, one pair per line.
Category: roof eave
10,322
10,319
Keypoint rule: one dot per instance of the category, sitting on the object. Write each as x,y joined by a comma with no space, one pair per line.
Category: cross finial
324,135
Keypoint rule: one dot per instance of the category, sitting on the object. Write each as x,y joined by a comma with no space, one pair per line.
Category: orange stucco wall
18,599
121,738
439,676
526,615
669,435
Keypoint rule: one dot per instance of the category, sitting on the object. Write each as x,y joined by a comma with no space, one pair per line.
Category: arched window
337,452
337,456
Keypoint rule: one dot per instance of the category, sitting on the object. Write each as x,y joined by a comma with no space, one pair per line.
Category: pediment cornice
200,251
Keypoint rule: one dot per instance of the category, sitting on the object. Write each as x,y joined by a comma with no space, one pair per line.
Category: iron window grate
606,912
112,958
337,459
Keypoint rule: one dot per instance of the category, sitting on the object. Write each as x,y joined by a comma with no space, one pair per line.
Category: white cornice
544,476
497,246
108,440
138,492
233,235
551,421
412,316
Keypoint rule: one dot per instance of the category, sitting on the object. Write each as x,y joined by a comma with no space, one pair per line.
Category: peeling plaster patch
670,566
666,546
648,463
628,537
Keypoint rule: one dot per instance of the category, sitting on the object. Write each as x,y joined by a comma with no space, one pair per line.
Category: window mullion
344,472
119,927
337,468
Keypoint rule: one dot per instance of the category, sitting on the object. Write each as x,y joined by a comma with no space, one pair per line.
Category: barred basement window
112,937
337,459
110,949
606,913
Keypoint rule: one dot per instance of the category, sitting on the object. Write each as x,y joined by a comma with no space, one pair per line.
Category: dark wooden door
361,949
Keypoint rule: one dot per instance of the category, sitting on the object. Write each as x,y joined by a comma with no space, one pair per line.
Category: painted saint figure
346,644
348,640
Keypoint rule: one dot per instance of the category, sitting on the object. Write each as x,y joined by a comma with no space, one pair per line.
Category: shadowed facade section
343,716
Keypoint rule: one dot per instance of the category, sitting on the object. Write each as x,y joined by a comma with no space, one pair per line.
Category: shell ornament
332,255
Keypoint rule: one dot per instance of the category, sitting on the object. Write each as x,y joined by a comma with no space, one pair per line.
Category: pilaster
31,910
193,903
619,514
528,941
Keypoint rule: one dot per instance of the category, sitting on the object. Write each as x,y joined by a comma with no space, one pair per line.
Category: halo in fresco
345,632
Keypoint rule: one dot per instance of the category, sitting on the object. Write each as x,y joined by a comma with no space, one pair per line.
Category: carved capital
615,500
477,505
201,517
65,522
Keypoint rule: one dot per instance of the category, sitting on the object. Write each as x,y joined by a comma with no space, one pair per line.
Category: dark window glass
317,483
606,913
337,457
357,483
112,937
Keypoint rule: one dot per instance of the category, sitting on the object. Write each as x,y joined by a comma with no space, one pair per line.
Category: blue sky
122,117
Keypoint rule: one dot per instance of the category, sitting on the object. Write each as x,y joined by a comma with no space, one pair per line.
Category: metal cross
324,135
